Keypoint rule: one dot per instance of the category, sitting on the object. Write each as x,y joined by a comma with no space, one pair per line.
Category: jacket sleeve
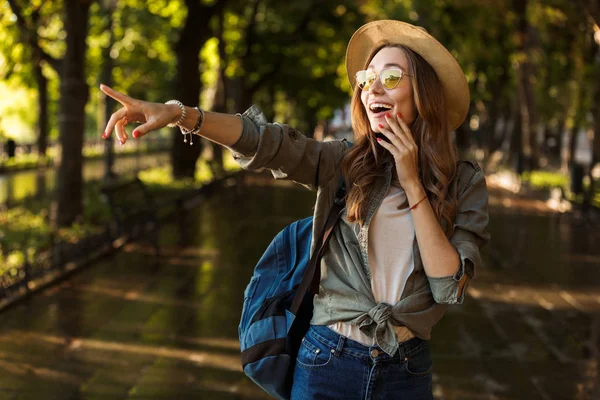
286,152
469,237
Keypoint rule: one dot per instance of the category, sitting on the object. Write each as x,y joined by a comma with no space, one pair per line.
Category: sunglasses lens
361,79
364,79
390,78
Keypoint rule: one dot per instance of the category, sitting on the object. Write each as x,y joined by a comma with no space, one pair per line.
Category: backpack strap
312,275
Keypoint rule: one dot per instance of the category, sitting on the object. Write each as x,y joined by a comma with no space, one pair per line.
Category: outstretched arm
224,129
255,143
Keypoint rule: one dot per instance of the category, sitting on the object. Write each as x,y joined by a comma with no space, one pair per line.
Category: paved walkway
136,327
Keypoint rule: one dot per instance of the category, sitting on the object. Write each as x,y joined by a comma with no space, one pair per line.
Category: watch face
382,136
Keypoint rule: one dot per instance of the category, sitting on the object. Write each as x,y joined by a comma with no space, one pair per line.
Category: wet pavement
134,326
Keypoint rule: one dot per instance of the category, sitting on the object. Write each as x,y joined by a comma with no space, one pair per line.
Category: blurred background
533,69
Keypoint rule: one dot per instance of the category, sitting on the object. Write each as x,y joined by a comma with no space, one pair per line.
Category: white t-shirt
391,261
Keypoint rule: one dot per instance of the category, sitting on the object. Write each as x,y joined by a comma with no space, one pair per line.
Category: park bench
134,211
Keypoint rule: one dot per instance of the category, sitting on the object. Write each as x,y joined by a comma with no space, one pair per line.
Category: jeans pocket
419,363
313,354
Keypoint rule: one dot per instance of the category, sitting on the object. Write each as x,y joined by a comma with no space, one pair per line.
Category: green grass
24,161
33,160
96,152
545,179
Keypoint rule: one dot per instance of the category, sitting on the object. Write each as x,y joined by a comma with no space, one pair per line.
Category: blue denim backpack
278,305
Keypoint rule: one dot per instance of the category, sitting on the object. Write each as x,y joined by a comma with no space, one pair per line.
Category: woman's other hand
404,149
152,116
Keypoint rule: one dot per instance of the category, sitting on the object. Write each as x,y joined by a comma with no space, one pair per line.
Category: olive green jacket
345,291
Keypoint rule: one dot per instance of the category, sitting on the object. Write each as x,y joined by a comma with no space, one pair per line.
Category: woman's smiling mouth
378,109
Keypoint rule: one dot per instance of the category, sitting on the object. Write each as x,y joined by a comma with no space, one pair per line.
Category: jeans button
374,353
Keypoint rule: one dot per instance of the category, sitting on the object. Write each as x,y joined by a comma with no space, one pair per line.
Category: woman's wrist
191,117
414,191
175,112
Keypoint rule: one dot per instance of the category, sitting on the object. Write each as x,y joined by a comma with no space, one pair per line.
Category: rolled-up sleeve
469,237
285,151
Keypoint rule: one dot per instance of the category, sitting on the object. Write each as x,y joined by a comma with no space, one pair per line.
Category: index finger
118,96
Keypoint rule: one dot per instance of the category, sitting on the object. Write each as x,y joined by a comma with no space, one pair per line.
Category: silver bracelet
182,118
196,127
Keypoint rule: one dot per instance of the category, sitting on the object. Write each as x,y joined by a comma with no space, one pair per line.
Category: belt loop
340,345
402,352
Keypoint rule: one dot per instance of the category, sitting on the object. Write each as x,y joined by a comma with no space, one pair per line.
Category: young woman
415,219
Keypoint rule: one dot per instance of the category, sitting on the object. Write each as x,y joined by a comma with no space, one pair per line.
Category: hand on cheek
403,147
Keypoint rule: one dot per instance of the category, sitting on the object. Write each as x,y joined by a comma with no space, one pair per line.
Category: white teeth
380,105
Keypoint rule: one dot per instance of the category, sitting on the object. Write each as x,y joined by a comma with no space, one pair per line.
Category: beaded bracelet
196,127
179,123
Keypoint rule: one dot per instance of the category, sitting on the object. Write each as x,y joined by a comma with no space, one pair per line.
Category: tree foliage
532,66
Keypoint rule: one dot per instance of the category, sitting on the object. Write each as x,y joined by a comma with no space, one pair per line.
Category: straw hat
375,34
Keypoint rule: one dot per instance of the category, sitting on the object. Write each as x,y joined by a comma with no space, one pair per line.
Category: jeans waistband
339,343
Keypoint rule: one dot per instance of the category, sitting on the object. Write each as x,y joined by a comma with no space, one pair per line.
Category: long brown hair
365,162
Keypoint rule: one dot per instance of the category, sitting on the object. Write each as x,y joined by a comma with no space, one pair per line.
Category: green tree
71,121
196,30
73,97
289,57
33,19
131,45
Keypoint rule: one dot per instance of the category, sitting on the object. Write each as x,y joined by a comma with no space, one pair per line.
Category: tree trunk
43,123
107,103
575,169
564,140
525,88
188,86
497,108
463,135
247,90
73,97
220,100
573,142
488,128
184,155
42,127
596,142
516,147
245,98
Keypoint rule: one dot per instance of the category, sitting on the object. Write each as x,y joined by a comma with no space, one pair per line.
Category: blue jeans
331,366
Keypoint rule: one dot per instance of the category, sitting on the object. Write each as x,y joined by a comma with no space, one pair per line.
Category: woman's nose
376,87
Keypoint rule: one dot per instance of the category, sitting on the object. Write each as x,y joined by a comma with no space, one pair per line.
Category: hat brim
375,34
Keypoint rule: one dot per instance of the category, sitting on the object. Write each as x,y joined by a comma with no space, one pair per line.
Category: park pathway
136,326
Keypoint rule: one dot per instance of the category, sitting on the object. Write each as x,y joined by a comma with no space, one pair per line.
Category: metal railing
45,264
49,264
